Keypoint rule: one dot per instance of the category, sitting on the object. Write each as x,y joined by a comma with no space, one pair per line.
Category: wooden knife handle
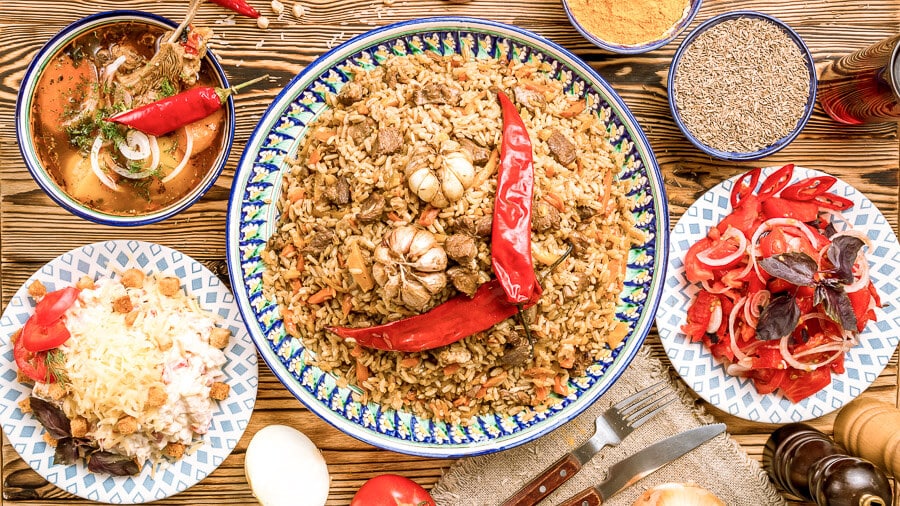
587,497
548,481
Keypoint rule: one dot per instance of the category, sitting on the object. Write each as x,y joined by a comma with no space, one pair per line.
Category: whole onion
678,494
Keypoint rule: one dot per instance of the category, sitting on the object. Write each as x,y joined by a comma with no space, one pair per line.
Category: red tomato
774,183
745,218
33,365
767,381
55,304
391,490
693,269
36,337
768,356
860,301
725,245
799,385
699,314
775,207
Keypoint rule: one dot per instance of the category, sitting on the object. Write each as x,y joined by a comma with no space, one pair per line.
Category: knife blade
629,470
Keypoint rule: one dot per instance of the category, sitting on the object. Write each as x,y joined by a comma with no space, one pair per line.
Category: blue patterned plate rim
230,418
737,396
251,217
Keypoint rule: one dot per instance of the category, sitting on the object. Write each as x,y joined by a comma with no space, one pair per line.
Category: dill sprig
56,360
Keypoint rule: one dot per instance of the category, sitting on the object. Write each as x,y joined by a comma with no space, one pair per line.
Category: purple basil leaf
795,268
842,253
778,319
837,305
829,230
52,418
112,463
70,449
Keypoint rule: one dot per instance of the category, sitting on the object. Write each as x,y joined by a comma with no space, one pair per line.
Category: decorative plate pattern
738,396
252,216
229,420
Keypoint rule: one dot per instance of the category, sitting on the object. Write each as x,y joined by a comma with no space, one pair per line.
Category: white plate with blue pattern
103,259
738,396
253,215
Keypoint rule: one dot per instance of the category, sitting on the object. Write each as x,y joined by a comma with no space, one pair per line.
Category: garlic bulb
440,180
678,494
409,266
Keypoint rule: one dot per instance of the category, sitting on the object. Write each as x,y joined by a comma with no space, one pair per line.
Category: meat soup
109,167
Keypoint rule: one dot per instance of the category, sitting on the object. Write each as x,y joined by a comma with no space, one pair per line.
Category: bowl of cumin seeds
742,86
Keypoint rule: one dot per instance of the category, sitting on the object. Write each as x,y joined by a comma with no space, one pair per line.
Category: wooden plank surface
33,230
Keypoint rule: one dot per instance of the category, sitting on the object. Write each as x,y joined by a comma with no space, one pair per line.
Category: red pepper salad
785,288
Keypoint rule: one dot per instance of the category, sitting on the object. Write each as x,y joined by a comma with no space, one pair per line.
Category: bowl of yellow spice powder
630,26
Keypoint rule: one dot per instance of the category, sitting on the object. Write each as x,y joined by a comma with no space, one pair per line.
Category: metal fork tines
624,417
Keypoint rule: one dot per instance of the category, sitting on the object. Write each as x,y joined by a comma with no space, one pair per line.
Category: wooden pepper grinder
870,429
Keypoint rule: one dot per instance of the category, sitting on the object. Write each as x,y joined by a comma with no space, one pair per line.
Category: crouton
85,283
123,304
174,450
133,278
169,286
23,378
126,425
131,317
219,337
156,397
37,289
78,427
50,440
219,391
15,336
25,405
163,342
56,391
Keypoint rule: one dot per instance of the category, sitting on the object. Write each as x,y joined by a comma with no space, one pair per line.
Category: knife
629,470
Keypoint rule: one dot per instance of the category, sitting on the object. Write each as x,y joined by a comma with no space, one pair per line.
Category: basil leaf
842,252
778,319
112,463
837,305
52,418
795,268
829,230
70,449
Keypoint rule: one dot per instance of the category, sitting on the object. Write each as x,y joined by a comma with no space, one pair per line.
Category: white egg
283,467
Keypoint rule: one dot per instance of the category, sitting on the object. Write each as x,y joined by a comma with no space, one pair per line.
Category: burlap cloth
719,465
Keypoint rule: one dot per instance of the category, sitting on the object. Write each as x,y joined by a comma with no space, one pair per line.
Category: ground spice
628,22
741,85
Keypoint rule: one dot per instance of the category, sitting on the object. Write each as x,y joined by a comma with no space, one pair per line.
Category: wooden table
35,230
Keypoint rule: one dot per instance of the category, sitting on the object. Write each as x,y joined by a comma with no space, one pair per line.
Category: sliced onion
737,369
715,320
187,155
137,139
717,291
122,171
731,336
824,348
863,280
751,308
789,359
95,165
784,222
154,152
110,70
731,233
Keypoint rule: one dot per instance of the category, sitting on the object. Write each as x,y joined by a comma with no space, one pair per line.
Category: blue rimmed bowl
779,144
25,139
253,216
643,47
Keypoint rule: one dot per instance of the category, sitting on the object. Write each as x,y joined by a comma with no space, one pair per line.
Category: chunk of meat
436,93
461,247
529,99
582,282
544,217
464,280
561,148
370,210
480,155
585,212
517,351
318,242
359,132
338,193
478,226
352,92
388,140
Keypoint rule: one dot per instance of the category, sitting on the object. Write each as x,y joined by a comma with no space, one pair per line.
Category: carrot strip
409,362
541,393
295,194
559,388
314,157
362,372
451,369
575,108
496,380
324,134
555,201
321,296
429,215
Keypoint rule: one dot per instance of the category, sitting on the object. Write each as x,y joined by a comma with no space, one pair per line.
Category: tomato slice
808,188
744,218
699,315
798,385
776,182
860,301
55,304
775,207
832,201
724,252
693,268
767,356
742,188
767,381
33,365
36,337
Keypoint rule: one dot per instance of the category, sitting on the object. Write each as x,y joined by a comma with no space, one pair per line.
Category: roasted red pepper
239,6
511,234
171,113
447,323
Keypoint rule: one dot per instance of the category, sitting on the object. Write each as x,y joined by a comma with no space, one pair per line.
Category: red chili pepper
742,189
171,113
774,183
239,6
832,201
808,188
447,323
511,234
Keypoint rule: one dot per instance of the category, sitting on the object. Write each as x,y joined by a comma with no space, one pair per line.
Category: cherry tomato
774,183
36,337
391,490
55,304
775,207
798,385
767,381
832,201
33,365
742,188
808,188
693,268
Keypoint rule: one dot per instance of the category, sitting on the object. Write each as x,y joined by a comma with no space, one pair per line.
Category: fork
610,428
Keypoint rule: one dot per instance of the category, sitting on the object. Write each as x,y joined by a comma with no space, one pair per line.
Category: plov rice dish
387,213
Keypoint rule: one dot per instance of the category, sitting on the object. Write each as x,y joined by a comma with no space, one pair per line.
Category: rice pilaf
355,187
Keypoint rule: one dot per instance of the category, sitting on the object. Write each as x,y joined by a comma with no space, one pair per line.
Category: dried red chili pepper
239,6
171,113
511,233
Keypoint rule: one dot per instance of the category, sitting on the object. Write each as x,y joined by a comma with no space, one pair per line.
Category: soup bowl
129,187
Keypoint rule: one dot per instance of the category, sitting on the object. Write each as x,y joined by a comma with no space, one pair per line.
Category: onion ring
95,165
187,156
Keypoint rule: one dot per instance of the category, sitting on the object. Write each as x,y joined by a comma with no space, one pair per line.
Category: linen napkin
719,465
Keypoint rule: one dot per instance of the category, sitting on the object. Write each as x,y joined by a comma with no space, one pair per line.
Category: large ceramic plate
252,216
738,396
229,420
